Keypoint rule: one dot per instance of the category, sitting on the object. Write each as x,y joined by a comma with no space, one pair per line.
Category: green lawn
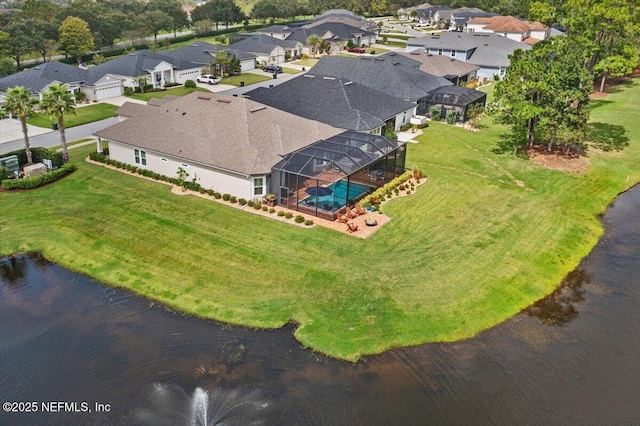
376,49
248,78
306,62
288,70
176,91
392,43
486,236
83,115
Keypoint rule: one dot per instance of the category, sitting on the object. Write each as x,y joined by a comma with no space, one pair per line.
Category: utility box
11,163
37,169
418,120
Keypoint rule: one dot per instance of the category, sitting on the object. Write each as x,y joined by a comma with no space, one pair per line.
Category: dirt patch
558,160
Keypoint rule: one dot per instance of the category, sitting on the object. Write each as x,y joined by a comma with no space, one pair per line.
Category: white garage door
107,92
247,65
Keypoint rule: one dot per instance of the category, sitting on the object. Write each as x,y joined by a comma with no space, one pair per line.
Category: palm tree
314,40
57,101
19,103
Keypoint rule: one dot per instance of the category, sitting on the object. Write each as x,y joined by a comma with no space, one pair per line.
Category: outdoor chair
358,209
343,218
352,227
351,213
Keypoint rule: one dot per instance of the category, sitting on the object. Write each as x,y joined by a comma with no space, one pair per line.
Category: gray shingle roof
275,29
383,74
489,49
195,54
130,65
230,133
37,78
434,64
342,31
130,109
262,43
334,101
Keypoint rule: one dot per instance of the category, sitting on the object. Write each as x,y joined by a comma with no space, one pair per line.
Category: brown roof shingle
230,133
508,24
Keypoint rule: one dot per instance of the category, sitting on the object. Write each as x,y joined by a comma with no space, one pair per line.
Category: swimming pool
338,197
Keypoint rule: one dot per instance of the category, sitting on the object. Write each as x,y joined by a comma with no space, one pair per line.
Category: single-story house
490,52
511,27
337,33
388,75
452,69
238,146
404,13
430,16
276,31
267,49
338,102
37,79
344,16
247,60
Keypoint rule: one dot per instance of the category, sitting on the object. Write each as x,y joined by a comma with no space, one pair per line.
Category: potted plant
270,200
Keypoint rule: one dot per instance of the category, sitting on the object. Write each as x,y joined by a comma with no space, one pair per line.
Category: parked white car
208,78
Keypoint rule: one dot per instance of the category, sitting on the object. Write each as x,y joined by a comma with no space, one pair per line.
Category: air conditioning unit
418,120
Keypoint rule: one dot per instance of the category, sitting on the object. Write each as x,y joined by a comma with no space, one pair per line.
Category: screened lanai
322,178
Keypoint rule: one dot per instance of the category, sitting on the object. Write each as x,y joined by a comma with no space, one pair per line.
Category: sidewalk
11,130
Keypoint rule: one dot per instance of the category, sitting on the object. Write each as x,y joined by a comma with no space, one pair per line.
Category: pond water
572,358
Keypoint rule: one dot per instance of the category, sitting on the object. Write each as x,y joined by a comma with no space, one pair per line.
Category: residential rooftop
438,65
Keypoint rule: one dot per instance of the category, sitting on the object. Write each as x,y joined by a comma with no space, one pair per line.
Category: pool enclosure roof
455,95
340,155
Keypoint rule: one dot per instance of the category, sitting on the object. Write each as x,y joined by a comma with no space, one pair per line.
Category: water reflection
13,271
559,307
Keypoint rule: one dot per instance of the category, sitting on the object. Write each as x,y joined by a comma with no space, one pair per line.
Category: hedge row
36,181
37,155
390,186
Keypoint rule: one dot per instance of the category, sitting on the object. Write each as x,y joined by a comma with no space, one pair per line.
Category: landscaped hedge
381,192
144,172
37,155
36,181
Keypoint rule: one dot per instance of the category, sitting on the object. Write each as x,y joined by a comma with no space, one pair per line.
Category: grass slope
485,237
83,115
176,91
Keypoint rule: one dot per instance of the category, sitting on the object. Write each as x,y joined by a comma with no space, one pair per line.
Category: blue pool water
339,195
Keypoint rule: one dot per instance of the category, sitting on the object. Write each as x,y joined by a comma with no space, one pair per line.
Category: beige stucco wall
209,178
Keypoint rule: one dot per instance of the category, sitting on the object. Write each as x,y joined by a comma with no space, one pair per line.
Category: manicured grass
287,70
83,115
487,235
376,49
248,78
306,62
400,36
176,91
392,43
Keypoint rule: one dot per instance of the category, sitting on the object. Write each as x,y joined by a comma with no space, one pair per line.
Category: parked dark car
272,68
356,50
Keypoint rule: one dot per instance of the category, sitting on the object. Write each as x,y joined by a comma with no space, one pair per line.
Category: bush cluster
379,194
36,181
37,155
299,218
141,171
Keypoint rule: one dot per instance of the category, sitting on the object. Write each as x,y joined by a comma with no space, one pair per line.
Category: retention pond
68,343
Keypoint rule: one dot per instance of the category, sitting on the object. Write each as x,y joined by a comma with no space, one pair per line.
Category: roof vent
204,97
224,101
396,63
184,113
348,83
329,78
309,76
260,108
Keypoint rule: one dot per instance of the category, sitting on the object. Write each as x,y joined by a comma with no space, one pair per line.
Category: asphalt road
52,138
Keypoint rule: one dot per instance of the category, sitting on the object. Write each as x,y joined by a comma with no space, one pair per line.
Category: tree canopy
75,37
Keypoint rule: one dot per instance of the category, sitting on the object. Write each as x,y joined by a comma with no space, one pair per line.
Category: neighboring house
452,69
508,26
338,102
37,79
336,33
247,60
385,74
346,17
240,147
276,31
267,49
404,13
490,52
431,16
458,18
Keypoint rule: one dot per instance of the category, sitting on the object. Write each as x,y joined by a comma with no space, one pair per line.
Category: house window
258,186
184,165
439,51
453,53
140,157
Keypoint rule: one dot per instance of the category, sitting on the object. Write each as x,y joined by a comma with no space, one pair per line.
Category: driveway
11,129
273,82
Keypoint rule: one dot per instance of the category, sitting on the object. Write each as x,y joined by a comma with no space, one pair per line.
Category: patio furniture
375,175
351,213
343,218
358,208
352,227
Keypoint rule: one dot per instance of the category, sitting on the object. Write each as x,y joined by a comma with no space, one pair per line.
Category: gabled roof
508,24
338,102
239,54
131,65
346,20
194,55
274,29
430,11
131,109
488,49
412,8
434,64
383,74
39,77
342,31
262,43
230,133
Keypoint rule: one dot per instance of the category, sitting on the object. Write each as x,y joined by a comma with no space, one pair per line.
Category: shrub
217,195
308,222
80,96
265,208
374,198
211,192
257,206
299,218
250,203
226,197
280,213
272,210
436,113
408,191
233,199
37,155
397,191
190,84
128,91
405,127
242,201
288,215
36,181
4,173
451,117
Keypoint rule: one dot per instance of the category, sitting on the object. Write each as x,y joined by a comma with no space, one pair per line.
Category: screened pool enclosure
322,178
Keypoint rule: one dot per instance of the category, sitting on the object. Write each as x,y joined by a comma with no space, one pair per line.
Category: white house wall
208,177
404,118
